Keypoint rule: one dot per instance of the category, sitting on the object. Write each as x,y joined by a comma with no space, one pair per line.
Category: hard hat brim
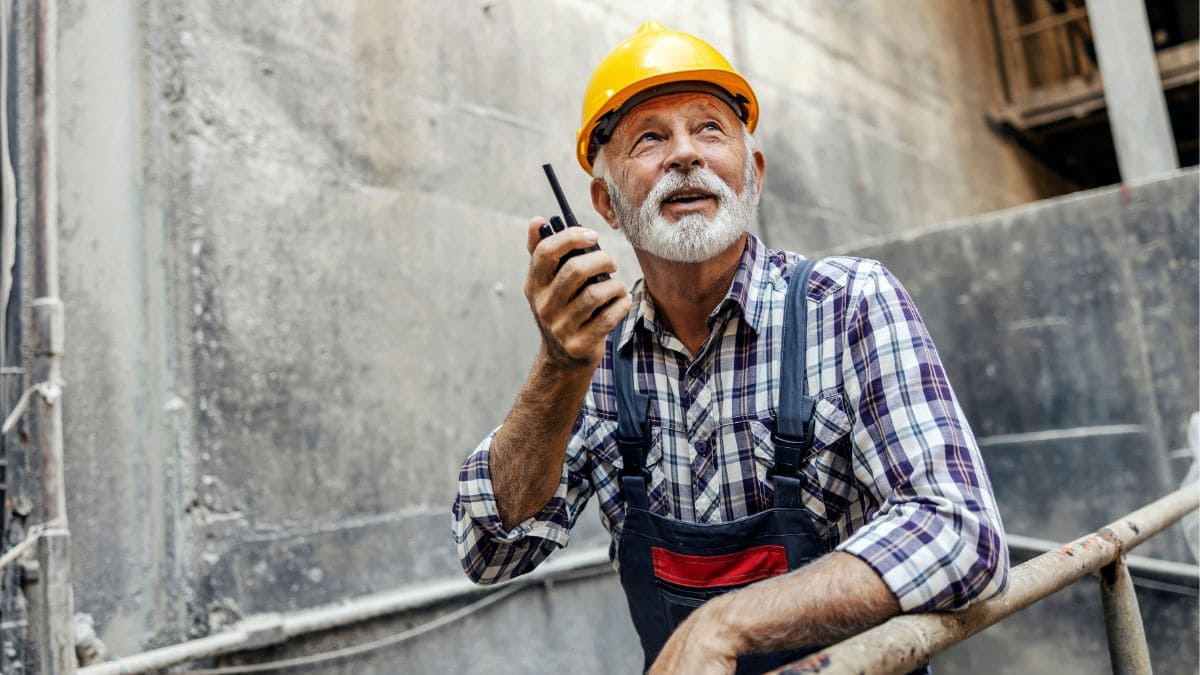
732,83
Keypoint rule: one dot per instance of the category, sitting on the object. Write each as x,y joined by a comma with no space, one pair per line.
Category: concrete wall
1069,330
292,256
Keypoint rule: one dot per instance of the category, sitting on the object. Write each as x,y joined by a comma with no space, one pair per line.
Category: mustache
696,179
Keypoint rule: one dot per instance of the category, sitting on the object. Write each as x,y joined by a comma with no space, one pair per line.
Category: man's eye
711,126
648,136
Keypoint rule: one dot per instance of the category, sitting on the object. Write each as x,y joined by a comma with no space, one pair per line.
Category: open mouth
688,196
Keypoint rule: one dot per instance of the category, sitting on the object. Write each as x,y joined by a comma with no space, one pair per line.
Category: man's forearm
823,602
826,601
526,454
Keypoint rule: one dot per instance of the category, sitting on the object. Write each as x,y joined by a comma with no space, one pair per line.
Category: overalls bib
669,567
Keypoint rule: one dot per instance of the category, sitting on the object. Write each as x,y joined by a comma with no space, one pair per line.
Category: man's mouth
687,196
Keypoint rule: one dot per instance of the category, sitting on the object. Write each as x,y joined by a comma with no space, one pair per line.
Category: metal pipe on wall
50,595
262,630
13,609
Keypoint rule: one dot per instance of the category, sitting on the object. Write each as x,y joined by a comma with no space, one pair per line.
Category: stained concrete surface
1069,330
1093,250
1074,320
574,626
293,246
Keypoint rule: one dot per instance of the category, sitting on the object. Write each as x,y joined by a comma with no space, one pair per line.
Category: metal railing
905,642
894,647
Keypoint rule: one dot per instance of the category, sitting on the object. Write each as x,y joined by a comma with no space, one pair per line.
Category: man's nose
683,153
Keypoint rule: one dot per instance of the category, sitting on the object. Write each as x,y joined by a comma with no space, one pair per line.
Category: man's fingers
569,280
610,315
547,252
594,296
589,335
572,314
531,235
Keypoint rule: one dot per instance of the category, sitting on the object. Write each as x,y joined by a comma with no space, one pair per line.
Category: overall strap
633,423
793,428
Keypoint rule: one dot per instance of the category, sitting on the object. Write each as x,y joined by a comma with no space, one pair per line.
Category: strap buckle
633,465
790,451
633,455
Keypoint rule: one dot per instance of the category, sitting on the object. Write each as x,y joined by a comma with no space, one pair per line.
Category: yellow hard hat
654,62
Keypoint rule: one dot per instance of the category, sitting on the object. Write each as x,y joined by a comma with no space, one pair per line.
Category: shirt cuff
478,501
904,548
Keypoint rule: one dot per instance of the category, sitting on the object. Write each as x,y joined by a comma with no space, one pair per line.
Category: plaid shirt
897,479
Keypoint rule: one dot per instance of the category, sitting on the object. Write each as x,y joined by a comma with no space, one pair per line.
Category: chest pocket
606,464
607,456
831,429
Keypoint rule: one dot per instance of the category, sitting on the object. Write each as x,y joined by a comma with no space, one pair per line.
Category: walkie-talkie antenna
556,225
567,215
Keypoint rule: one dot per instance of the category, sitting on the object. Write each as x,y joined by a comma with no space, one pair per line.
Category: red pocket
729,569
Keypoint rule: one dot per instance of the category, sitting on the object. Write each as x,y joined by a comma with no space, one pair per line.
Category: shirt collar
747,294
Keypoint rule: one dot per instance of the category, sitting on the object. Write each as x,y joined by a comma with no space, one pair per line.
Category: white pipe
262,630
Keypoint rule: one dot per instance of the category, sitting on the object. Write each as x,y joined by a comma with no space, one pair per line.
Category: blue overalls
669,567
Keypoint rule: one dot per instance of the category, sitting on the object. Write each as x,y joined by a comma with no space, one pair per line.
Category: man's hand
527,452
703,644
574,319
825,601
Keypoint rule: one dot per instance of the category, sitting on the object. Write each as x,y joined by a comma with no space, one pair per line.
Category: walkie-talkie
556,224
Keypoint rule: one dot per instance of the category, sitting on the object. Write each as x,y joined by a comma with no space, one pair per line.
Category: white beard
694,237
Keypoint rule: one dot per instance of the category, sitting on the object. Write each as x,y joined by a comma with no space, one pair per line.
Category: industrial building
263,267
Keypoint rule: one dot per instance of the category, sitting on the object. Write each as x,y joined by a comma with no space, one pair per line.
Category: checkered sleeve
935,537
487,551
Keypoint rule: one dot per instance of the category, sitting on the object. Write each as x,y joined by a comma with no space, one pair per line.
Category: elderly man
774,444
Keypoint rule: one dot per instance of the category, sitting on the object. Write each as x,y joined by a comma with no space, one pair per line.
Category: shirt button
701,446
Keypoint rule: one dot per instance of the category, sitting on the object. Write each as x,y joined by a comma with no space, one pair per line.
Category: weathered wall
874,118
292,256
1069,329
127,421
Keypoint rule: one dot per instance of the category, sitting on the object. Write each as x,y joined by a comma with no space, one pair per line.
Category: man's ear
760,171
602,202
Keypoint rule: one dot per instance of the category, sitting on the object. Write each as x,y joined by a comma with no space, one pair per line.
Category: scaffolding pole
50,594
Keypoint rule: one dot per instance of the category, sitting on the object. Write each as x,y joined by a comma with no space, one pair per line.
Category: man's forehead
688,103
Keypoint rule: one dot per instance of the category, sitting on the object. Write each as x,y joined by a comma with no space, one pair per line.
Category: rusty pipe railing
1127,648
905,642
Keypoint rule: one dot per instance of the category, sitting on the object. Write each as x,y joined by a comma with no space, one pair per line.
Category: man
775,447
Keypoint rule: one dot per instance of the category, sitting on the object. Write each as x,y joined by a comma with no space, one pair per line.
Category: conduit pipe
50,595
262,630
